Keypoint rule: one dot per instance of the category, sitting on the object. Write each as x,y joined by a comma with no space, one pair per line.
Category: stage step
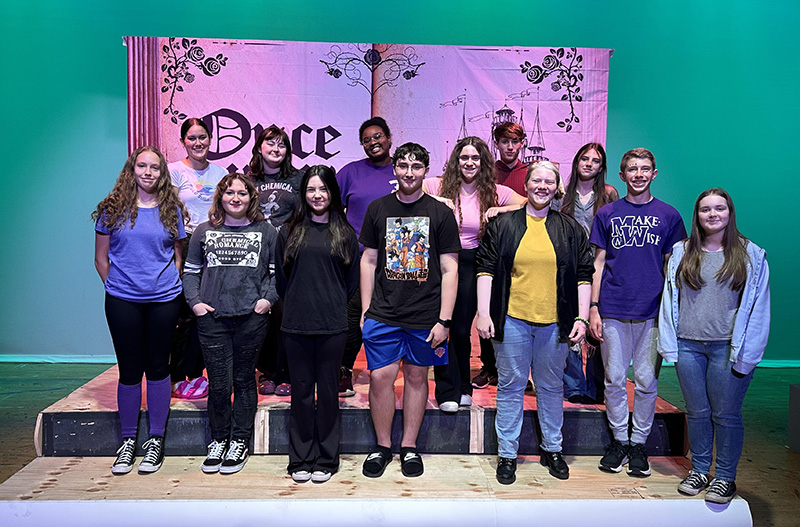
454,490
86,423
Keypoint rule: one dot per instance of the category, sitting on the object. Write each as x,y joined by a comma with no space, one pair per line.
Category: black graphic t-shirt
409,238
277,197
230,268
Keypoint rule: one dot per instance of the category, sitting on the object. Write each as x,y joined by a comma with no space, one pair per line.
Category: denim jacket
751,325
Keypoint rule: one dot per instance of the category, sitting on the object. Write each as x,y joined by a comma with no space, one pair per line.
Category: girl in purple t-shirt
469,187
139,233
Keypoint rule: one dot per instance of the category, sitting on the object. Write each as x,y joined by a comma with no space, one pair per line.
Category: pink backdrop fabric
320,93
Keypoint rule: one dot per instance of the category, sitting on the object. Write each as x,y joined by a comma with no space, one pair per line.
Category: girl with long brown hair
586,193
714,324
468,186
139,232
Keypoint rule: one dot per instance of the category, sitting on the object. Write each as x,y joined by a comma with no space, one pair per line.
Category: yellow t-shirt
533,277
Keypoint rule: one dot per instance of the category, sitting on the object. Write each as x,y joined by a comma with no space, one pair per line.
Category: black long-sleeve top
574,263
315,285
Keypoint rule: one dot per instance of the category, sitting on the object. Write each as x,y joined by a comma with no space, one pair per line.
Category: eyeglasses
416,168
273,144
370,138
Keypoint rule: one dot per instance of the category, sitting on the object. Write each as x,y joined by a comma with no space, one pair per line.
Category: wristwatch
594,304
446,323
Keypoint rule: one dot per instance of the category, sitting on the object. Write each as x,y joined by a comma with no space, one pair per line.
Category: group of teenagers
567,286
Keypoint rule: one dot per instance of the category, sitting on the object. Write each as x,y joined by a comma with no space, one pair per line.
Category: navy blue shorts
385,344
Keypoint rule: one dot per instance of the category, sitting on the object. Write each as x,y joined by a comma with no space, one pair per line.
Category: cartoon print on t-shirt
232,248
407,249
271,206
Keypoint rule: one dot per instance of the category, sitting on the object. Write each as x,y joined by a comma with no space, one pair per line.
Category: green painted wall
711,87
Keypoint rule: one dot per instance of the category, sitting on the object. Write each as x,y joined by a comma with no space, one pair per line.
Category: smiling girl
229,285
195,179
139,232
714,323
468,187
317,258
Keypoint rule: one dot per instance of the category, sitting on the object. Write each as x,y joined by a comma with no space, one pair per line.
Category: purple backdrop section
321,92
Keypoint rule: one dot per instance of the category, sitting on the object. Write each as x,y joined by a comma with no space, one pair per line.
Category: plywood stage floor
454,490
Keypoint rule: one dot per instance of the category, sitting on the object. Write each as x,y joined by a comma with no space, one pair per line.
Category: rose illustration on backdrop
566,65
372,57
211,67
196,54
178,56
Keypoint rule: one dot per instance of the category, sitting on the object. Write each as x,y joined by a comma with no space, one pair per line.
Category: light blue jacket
751,325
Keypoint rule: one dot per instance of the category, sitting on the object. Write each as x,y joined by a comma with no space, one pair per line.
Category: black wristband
445,323
594,304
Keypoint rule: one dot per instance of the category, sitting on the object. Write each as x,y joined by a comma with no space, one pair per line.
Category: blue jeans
527,348
714,397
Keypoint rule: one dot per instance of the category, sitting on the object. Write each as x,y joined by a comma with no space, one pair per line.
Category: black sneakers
235,458
216,454
615,458
555,464
721,491
153,455
376,463
693,483
506,470
638,467
125,456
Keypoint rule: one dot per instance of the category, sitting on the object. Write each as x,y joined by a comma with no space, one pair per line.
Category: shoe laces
719,486
637,450
216,449
152,451
618,448
126,452
696,479
236,450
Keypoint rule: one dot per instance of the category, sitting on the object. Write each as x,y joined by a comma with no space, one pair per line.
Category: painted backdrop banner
320,93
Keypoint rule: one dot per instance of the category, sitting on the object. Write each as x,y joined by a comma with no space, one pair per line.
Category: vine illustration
568,76
359,65
177,57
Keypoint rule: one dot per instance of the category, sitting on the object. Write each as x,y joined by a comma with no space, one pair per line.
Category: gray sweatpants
625,341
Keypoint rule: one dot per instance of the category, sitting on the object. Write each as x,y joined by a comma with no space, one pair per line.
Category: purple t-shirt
635,238
361,183
142,259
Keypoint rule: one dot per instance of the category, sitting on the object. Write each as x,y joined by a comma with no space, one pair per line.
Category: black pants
141,333
453,379
186,357
272,356
230,349
353,344
314,430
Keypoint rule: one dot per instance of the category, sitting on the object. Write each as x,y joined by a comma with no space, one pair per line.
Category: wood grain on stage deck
264,477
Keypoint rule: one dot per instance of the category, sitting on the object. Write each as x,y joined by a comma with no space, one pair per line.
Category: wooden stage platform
85,423
455,490
71,482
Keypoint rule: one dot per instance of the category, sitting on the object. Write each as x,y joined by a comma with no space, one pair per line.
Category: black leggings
141,332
